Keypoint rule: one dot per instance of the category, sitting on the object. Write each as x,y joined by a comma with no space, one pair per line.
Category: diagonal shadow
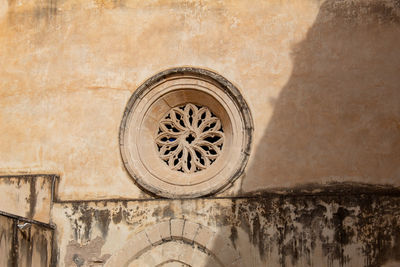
338,116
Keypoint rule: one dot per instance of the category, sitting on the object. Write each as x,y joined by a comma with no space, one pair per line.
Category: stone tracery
190,138
186,132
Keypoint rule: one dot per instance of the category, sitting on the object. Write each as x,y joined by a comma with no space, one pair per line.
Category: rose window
190,138
185,133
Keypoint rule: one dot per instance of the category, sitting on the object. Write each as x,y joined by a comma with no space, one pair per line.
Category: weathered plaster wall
321,79
28,196
25,243
331,229
337,117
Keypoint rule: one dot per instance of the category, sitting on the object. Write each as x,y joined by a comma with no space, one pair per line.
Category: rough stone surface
28,196
189,231
165,230
284,230
177,226
321,80
153,234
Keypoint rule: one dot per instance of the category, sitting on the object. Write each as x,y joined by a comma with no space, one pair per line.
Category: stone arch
176,240
174,253
170,262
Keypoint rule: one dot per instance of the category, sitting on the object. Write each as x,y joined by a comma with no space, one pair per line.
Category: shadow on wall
338,117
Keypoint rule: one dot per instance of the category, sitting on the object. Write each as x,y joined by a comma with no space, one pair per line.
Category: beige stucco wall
321,80
349,230
27,196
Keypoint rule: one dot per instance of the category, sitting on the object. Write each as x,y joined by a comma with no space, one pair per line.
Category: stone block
190,231
177,228
203,236
153,235
139,243
165,230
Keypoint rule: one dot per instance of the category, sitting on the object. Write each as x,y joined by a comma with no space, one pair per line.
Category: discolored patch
85,254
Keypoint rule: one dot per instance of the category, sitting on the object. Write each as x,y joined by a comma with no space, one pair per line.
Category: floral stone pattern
186,132
190,138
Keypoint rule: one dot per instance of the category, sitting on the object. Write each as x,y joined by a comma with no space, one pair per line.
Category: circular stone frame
153,100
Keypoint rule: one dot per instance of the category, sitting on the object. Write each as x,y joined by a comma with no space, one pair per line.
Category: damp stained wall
343,224
321,187
320,77
271,230
28,196
24,244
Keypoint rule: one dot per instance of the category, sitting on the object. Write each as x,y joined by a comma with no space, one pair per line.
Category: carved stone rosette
190,138
186,132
